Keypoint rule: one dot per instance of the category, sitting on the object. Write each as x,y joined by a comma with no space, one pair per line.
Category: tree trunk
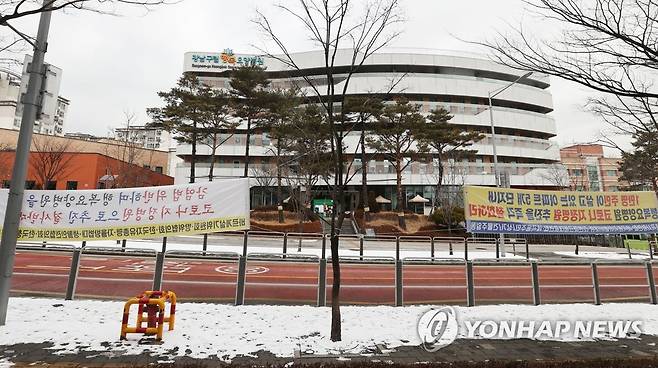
335,289
246,149
301,214
211,172
279,191
364,179
336,224
339,202
439,183
193,158
400,195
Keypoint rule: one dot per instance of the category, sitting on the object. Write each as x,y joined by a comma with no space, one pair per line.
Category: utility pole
31,108
497,172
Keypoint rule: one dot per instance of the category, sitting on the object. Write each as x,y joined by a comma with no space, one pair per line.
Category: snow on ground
309,247
602,255
226,331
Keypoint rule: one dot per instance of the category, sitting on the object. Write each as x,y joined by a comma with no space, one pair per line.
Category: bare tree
625,116
606,45
609,46
12,11
126,171
128,151
578,180
12,48
51,159
334,25
265,176
557,175
449,196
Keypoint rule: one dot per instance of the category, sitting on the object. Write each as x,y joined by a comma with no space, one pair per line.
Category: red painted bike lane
120,277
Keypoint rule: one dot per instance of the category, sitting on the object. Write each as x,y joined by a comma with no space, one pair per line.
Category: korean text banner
514,211
133,212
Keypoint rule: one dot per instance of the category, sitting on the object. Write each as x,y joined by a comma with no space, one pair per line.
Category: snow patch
347,249
207,330
602,255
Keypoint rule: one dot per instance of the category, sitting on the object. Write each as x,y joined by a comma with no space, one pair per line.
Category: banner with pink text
129,213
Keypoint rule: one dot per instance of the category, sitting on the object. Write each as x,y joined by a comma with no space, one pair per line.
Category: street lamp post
497,176
15,201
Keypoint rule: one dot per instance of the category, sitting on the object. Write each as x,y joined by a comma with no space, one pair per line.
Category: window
158,169
577,172
71,185
593,175
478,165
611,173
51,185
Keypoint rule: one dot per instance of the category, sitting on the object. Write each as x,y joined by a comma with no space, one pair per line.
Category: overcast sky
114,64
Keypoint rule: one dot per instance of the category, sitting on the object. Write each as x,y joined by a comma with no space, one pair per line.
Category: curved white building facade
460,84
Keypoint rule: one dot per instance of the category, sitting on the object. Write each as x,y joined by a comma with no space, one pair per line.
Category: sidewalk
24,355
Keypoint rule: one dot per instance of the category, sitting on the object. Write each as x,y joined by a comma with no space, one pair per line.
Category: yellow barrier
153,304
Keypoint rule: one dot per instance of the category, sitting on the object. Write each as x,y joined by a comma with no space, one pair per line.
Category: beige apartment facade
590,169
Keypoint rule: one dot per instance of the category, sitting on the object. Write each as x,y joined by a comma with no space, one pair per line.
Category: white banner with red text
131,213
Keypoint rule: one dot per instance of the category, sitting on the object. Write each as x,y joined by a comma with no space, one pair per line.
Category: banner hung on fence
128,213
515,211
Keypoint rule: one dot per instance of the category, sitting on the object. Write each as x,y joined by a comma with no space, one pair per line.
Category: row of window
51,185
591,171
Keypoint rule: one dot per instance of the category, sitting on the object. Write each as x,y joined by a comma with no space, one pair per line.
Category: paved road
118,277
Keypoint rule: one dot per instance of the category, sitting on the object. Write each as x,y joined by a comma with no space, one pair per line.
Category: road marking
233,270
93,268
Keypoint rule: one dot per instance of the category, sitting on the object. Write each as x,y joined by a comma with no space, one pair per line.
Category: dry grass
269,221
389,220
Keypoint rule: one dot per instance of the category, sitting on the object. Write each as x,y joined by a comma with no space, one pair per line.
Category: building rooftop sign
225,60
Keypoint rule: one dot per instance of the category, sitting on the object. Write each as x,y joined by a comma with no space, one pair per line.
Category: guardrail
84,249
398,262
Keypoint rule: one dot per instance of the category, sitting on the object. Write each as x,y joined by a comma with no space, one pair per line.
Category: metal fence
458,248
